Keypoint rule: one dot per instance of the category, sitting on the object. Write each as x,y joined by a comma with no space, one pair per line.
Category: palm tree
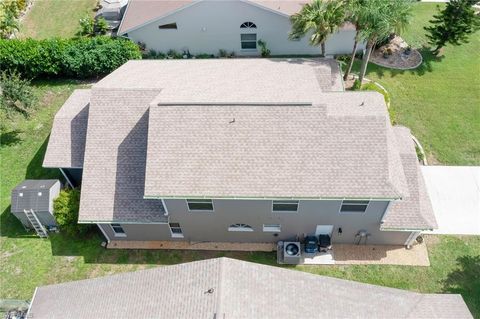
356,15
319,17
384,18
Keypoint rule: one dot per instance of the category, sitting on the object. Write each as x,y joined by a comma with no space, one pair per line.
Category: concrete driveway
455,195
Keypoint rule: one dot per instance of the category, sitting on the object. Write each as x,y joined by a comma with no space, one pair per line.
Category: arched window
248,25
240,227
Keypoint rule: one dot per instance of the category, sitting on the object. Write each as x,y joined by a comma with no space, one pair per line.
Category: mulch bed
397,55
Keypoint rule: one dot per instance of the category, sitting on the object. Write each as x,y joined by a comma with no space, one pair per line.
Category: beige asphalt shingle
114,169
229,288
337,144
269,151
415,210
66,144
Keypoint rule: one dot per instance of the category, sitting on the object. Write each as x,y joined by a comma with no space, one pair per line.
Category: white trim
29,315
66,178
200,210
119,235
176,235
154,19
165,207
272,228
372,199
285,211
103,222
354,213
104,233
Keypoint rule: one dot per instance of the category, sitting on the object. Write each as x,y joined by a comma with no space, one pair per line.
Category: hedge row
73,58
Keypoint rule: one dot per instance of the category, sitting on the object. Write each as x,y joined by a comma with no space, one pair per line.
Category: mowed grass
439,101
55,18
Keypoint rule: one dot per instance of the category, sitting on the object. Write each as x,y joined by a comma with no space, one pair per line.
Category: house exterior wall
208,26
74,175
213,226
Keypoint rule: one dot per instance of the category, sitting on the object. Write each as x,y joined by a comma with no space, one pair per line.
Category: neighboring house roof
229,288
140,12
32,194
67,140
415,210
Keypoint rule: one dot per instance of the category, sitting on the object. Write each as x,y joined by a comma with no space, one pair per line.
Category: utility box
32,204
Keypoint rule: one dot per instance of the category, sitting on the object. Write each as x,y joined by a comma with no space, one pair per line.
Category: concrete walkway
455,195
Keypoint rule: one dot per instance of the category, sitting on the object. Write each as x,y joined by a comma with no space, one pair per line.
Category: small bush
65,210
87,26
101,26
75,58
263,48
16,94
356,85
173,54
204,56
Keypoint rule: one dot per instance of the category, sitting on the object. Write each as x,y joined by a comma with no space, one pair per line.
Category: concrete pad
455,195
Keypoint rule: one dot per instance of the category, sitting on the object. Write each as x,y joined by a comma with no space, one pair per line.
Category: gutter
269,198
29,314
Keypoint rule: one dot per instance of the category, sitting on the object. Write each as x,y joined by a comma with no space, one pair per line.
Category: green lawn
439,101
55,18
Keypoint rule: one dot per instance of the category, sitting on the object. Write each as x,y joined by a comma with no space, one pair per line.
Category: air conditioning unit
292,253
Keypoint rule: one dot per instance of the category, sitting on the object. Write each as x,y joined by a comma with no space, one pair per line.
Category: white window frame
240,227
124,234
200,210
285,211
355,200
254,41
272,228
176,235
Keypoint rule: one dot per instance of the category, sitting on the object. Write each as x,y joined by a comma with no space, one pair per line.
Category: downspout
30,315
104,234
66,178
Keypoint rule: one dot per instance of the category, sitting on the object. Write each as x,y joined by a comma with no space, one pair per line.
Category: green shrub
77,58
9,13
87,26
16,94
101,26
356,85
65,210
263,48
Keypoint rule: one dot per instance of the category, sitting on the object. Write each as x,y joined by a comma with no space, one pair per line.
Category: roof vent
39,193
24,186
20,194
232,121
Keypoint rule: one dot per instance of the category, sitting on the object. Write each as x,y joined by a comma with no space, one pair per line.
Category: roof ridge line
221,274
235,103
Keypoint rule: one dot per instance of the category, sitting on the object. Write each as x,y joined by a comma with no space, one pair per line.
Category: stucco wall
209,26
213,226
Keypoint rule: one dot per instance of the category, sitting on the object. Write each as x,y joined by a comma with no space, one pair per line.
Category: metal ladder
33,219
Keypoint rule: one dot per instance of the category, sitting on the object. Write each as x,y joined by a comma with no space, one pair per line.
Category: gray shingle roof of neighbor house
415,210
32,194
140,12
148,119
66,145
229,288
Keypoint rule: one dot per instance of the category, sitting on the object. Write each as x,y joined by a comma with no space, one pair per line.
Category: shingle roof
274,151
140,12
32,194
415,210
228,288
114,168
66,145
